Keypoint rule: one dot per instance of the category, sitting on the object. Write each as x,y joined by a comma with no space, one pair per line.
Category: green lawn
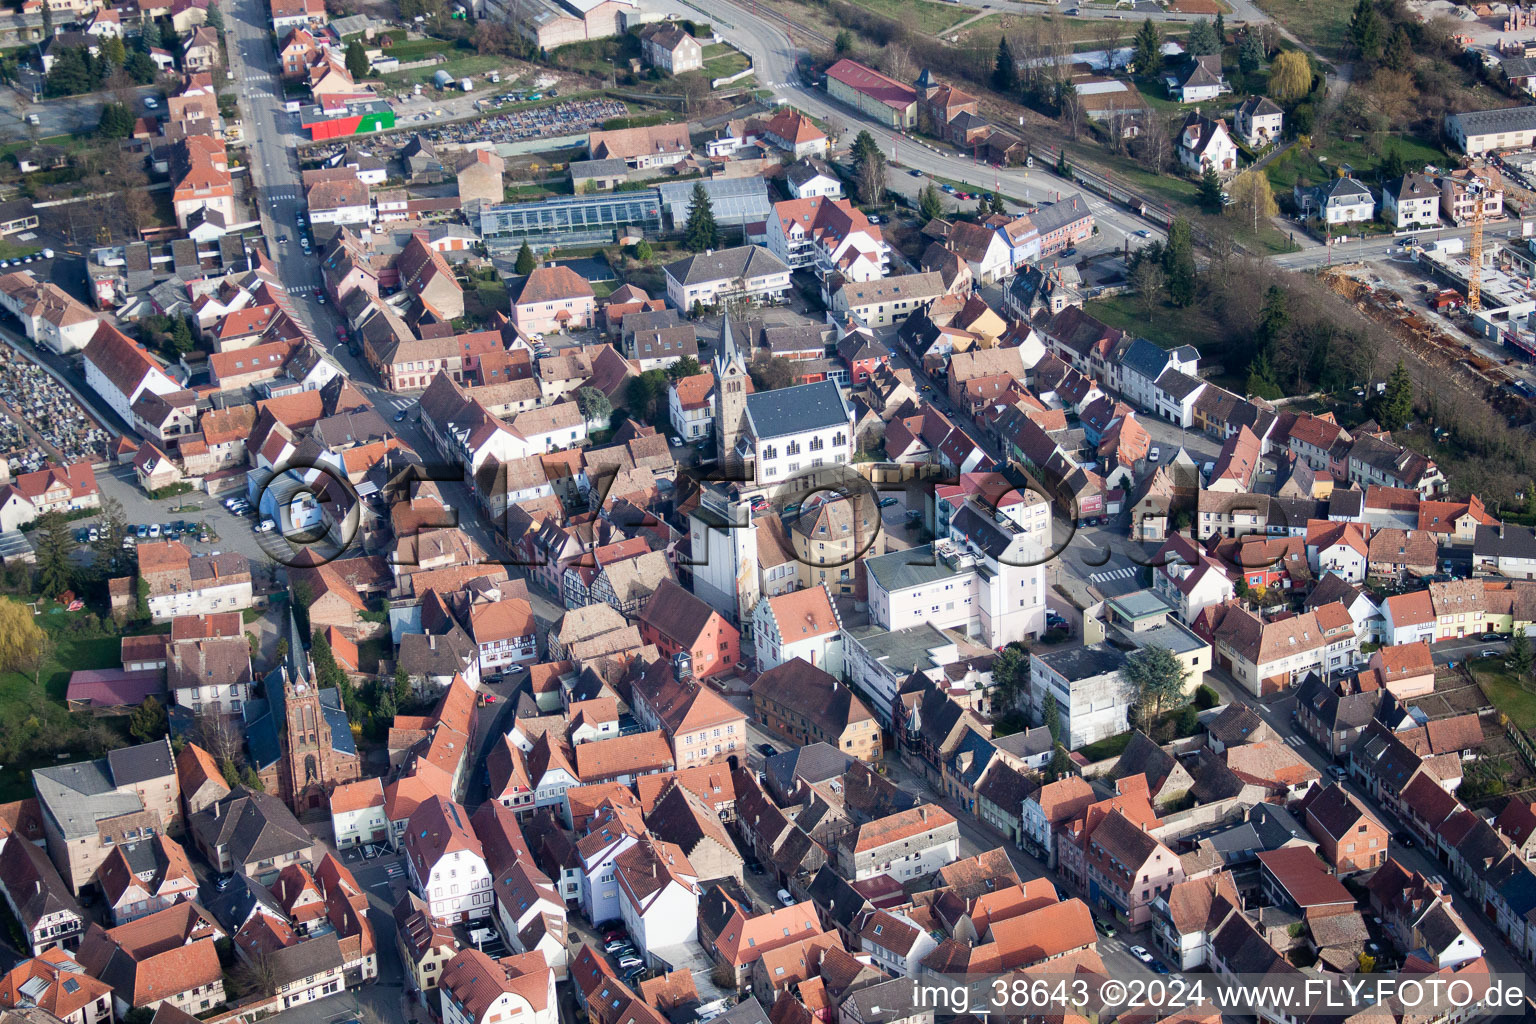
930,17
1321,24
725,61
1505,693
1362,154
1114,746
465,65
40,709
1168,326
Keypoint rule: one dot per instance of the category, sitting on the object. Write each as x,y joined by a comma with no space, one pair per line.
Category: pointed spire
728,351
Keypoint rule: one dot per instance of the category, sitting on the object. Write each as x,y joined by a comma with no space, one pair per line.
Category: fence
716,83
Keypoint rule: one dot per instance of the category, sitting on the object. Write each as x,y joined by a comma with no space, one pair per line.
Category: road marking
1113,574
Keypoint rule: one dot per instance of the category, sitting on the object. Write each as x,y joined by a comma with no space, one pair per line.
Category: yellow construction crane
1475,278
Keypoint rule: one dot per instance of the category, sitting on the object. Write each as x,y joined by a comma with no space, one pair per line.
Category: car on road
400,416
1491,638
223,881
1158,967
150,102
785,898
1487,654
1140,953
888,502
915,173
1143,233
766,749
753,866
1403,839
675,441
874,218
1154,454
1338,772
927,387
282,239
1070,252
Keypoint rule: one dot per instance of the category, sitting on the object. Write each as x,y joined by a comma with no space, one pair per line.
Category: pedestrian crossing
1113,574
402,403
1296,741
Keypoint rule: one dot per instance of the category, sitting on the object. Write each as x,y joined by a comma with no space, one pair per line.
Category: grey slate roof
255,826
726,264
77,796
1504,119
1145,358
797,409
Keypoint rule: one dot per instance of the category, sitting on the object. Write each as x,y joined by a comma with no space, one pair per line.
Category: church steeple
730,395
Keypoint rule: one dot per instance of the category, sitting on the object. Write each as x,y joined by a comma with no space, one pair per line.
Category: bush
1205,697
181,487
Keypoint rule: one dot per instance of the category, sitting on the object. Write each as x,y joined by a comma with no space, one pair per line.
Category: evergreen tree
1052,717
1221,30
250,780
148,721
701,232
1202,39
1147,50
216,17
843,43
1399,52
1394,406
1520,658
1366,31
1005,74
1392,165
1209,195
54,546
113,51
868,169
1274,317
1250,55
526,264
1010,677
47,18
594,405
1179,263
72,73
1157,677
149,35
230,772
930,202
181,335
116,121
402,687
997,204
139,67
357,60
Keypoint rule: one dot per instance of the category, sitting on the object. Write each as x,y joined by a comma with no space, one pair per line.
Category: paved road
1278,715
1373,248
774,56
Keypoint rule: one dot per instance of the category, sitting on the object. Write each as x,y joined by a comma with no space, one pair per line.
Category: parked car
614,945
265,526
888,502
630,960
1403,839
785,898
766,749
1491,638
1140,953
154,529
1154,454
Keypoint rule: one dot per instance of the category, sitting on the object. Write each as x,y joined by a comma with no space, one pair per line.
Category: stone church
299,737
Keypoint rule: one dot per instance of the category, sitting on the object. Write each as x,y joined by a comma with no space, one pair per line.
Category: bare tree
1107,36
217,735
1071,109
1154,146
898,62
256,973
1148,279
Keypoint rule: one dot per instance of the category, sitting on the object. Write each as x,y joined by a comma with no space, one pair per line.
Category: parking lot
226,532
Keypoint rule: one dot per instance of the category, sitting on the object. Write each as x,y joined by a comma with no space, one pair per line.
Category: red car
341,333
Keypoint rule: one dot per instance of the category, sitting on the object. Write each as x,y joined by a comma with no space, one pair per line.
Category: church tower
315,760
730,398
